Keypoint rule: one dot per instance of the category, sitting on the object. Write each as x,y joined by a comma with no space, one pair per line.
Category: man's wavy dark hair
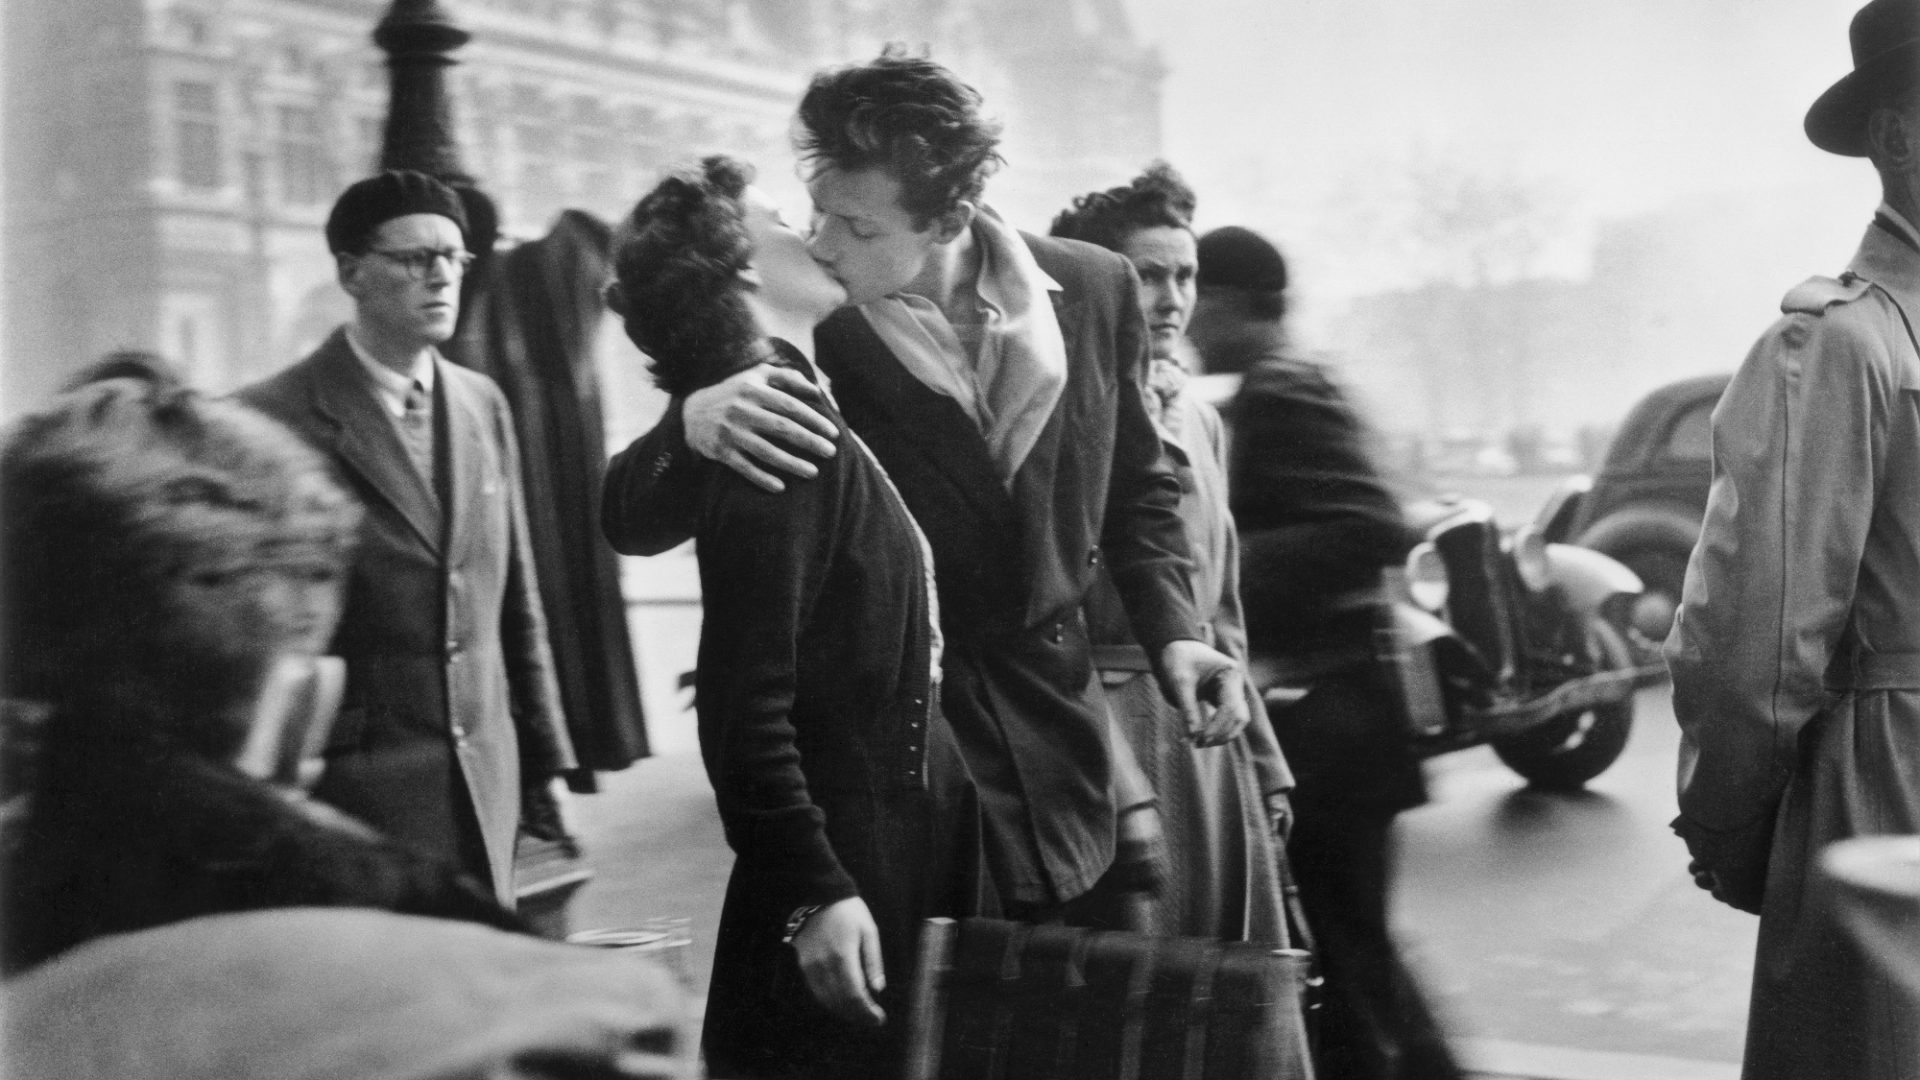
676,263
1157,198
905,115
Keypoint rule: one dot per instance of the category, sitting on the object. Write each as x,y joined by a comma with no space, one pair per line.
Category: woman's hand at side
839,953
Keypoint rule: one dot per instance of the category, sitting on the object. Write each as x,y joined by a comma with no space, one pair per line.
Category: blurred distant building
168,163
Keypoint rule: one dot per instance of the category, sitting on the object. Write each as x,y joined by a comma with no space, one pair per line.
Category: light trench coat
1796,653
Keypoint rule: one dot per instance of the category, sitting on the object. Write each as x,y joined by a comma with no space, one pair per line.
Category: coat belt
1851,670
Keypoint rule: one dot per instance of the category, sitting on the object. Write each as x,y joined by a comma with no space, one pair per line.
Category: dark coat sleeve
763,562
1315,518
539,722
1144,541
652,490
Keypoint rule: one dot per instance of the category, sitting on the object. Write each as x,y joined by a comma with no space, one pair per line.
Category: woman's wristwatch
797,920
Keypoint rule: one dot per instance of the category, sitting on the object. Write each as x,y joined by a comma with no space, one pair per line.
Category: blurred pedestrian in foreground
842,790
1796,651
451,731
169,564
1223,808
307,993
1317,528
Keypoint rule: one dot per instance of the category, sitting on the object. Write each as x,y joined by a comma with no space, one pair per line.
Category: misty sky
1299,115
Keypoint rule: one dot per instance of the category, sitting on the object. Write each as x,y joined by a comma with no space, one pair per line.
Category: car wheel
1661,574
1567,751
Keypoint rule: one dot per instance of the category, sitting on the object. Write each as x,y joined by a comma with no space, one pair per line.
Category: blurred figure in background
451,732
1224,808
1796,650
845,800
1317,528
167,560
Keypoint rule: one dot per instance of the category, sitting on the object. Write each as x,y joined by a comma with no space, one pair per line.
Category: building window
196,114
303,165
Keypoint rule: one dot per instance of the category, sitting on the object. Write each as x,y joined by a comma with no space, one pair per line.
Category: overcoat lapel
466,435
933,423
1033,487
365,441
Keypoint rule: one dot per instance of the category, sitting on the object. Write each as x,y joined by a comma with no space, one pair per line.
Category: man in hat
450,730
1796,651
1317,527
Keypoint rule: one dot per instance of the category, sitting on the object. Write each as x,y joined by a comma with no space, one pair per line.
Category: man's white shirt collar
389,385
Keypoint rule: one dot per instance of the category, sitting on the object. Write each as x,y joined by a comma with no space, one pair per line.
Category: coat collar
1886,260
364,438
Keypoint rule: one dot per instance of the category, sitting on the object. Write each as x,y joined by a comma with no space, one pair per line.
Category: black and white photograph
959,540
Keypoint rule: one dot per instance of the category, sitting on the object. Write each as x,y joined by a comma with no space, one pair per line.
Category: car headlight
1530,558
1427,577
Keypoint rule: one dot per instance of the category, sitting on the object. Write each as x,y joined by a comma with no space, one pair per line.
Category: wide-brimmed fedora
1885,36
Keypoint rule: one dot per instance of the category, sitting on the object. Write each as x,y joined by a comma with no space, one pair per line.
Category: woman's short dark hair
907,116
677,259
116,495
1157,198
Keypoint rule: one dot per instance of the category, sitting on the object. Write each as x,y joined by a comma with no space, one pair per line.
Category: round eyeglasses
419,262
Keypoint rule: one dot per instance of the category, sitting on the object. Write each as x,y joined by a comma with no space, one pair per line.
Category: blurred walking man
1796,653
451,728
1317,527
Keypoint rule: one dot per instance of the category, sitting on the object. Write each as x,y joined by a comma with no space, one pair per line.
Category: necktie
416,428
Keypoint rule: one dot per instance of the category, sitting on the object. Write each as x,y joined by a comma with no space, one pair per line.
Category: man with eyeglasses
450,731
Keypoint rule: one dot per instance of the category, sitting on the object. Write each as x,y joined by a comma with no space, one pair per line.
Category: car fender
1556,516
1648,526
1588,578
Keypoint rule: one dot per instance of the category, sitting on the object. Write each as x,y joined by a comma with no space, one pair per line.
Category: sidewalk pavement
658,851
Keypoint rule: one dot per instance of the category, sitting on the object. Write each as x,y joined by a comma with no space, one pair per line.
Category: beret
373,202
1241,259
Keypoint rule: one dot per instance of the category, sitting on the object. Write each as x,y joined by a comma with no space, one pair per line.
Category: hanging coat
536,319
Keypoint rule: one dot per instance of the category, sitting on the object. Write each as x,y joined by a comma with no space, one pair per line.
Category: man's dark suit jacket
451,706
1317,525
1013,568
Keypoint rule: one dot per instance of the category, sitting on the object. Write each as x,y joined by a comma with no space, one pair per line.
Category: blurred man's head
703,266
400,251
161,552
896,154
1150,221
1242,302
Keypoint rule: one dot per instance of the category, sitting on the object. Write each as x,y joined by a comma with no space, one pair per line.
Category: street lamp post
419,38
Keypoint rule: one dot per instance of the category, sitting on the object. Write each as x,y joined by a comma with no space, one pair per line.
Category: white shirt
390,386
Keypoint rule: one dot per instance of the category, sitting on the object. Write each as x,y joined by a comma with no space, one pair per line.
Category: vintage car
1645,504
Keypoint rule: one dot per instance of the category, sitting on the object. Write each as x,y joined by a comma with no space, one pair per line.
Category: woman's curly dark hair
908,116
676,262
1157,198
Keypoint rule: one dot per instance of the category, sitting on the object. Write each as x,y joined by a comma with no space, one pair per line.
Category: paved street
1564,932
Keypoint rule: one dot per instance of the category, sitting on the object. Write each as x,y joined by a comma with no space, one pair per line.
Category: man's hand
839,952
756,418
1208,687
546,814
1280,815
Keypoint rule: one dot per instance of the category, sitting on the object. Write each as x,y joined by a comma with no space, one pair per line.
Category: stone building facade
168,163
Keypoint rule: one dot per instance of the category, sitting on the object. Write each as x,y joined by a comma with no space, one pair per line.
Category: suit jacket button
1059,633
1093,556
